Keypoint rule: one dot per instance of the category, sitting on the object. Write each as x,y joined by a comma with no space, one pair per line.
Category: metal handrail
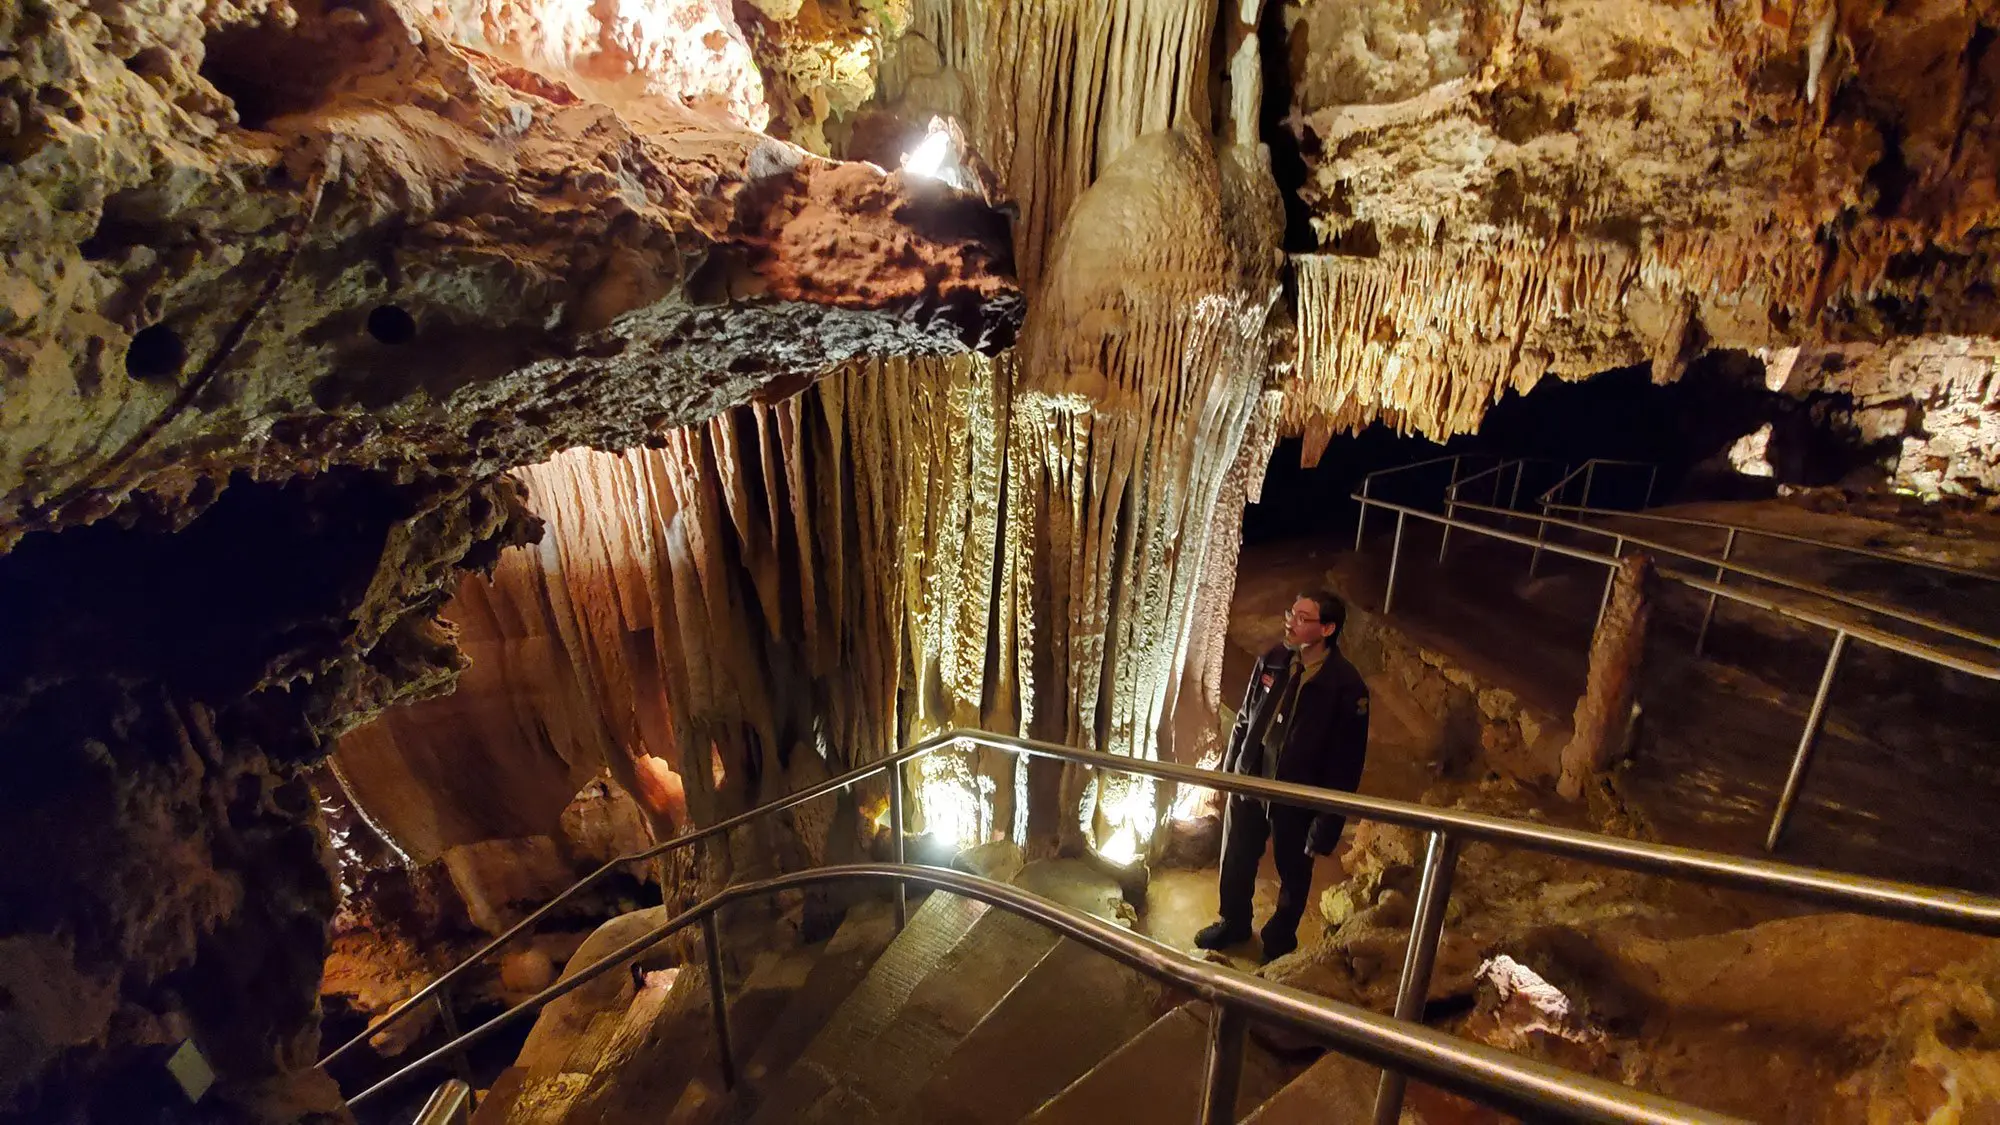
1447,829
1509,1082
449,1104
1842,630
1856,601
1786,536
1589,472
1368,482
437,986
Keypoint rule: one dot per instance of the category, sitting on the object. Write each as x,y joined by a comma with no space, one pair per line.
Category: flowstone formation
1501,190
286,288
1021,543
794,589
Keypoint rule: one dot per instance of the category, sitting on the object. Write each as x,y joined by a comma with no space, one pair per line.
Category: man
1304,720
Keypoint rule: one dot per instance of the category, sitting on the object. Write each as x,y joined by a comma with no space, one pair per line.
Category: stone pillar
1604,712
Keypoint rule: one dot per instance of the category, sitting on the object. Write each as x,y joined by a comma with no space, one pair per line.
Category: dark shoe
1221,935
1277,945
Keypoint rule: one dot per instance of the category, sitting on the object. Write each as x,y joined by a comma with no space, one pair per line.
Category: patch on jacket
1270,678
1361,706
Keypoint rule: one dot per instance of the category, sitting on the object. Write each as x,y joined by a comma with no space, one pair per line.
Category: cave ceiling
307,279
270,238
1497,191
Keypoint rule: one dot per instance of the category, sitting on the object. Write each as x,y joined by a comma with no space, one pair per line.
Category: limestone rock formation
284,287
794,589
1504,190
272,238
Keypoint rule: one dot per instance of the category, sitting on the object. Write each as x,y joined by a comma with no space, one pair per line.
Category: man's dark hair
1332,611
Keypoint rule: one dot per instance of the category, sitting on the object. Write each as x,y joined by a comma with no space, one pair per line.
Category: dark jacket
1329,729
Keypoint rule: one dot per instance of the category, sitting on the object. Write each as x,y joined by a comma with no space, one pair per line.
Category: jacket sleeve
1234,750
1340,767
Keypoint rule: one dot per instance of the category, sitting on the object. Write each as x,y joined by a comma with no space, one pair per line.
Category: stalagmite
1604,712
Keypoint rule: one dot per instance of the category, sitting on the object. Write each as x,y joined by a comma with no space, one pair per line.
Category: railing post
1610,579
1721,576
1589,479
1361,519
1814,720
449,1020
718,1001
1395,553
1450,508
1541,533
1226,1026
449,1104
1440,860
1652,478
902,898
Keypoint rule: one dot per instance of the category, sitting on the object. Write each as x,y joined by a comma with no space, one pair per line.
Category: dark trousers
1247,823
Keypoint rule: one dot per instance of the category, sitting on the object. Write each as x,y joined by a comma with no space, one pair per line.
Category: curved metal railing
1447,830
1512,1083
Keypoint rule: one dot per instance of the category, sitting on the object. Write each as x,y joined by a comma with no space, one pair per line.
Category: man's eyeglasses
1292,618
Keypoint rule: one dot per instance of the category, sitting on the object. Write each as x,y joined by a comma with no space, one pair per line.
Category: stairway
970,1015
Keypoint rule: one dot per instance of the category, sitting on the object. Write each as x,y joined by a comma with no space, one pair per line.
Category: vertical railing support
1361,518
1541,533
449,1104
1440,860
718,1000
449,1020
1450,509
1814,720
1226,1027
902,897
1395,554
1589,480
1721,576
1652,478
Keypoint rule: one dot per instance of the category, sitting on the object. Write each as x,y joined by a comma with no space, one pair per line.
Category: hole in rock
156,352
391,325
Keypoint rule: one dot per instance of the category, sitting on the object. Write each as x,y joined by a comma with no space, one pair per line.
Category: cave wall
284,288
167,692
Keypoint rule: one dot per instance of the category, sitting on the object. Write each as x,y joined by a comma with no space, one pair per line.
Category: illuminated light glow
928,158
1196,802
1130,815
956,802
1751,454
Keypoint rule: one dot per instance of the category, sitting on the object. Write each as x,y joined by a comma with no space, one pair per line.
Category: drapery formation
1501,190
800,587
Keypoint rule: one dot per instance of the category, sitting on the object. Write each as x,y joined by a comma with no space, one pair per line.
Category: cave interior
454,456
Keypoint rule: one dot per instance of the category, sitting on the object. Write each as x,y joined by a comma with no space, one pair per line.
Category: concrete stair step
841,964
1336,1088
561,1074
757,1006
841,1043
877,1078
1157,1076
1073,1009
499,1097
651,1057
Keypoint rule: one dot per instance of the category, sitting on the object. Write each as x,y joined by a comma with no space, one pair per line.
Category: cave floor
1904,776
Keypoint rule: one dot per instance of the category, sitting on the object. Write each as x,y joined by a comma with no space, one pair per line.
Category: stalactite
1051,91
